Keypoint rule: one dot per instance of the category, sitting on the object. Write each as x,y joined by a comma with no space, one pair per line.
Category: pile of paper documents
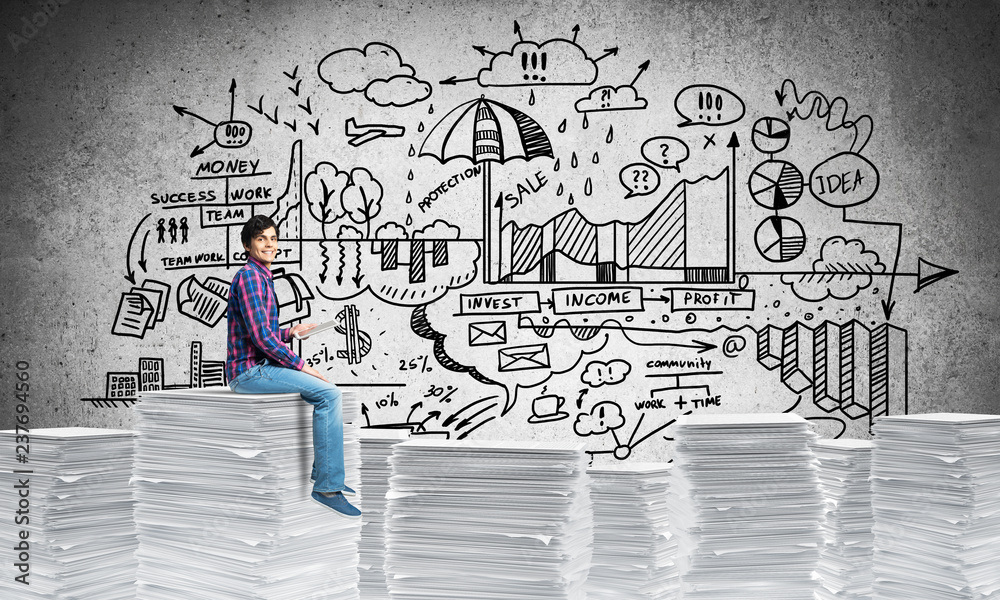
224,512
845,562
376,448
489,520
936,501
746,507
67,527
634,550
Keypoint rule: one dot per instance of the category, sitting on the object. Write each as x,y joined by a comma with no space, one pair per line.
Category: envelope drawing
488,333
520,358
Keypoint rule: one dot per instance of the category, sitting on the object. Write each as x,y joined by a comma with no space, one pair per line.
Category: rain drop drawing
588,187
559,190
572,161
562,126
410,175
596,158
555,167
586,121
531,98
611,134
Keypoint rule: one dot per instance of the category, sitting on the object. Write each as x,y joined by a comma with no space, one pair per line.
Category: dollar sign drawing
358,342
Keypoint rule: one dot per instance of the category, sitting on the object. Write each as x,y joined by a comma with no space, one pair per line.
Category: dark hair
256,225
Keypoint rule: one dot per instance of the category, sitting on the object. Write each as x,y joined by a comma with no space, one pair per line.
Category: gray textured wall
88,133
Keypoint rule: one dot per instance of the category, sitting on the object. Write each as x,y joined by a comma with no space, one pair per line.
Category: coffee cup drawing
546,409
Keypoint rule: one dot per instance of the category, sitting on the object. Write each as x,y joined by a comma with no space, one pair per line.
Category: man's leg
328,423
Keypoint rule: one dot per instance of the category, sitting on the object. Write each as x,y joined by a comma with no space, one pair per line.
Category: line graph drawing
681,239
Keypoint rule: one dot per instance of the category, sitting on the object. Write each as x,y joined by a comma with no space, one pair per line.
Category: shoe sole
331,509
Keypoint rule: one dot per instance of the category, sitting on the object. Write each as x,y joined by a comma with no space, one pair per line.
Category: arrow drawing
734,143
468,420
607,52
232,99
181,110
887,303
453,80
451,419
128,251
926,274
142,252
642,69
434,414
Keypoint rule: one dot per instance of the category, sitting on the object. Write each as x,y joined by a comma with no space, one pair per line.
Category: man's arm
252,290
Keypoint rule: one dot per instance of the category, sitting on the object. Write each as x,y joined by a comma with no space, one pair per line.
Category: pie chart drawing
770,135
776,184
780,239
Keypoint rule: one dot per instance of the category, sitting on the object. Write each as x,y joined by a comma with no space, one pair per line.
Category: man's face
264,246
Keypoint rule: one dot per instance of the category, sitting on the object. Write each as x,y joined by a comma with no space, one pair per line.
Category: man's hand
300,328
314,373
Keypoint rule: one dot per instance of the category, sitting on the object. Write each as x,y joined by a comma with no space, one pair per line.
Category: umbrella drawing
485,131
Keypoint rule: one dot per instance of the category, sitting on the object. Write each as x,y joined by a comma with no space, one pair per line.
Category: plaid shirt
253,323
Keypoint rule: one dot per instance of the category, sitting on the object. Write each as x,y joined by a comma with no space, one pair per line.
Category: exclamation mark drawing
537,64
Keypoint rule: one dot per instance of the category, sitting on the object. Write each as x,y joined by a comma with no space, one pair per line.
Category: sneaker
338,503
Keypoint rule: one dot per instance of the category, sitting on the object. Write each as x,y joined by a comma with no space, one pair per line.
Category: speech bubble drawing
639,179
667,152
233,134
708,105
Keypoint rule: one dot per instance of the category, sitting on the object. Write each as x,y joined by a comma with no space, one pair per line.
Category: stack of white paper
224,512
376,448
936,500
845,562
67,527
746,507
488,520
634,550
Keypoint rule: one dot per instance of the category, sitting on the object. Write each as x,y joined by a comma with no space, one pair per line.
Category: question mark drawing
665,152
639,179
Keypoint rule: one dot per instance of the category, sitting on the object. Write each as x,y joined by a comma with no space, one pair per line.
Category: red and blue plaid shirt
253,323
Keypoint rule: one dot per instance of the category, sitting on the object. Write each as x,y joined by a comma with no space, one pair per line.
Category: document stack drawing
746,507
490,520
845,561
634,550
376,448
936,502
223,507
69,532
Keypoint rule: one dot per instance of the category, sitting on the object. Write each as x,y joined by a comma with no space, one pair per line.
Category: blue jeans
328,420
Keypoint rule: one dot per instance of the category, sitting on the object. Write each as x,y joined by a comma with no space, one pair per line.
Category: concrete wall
94,141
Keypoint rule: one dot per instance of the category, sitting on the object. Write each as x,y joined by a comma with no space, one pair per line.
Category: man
259,361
